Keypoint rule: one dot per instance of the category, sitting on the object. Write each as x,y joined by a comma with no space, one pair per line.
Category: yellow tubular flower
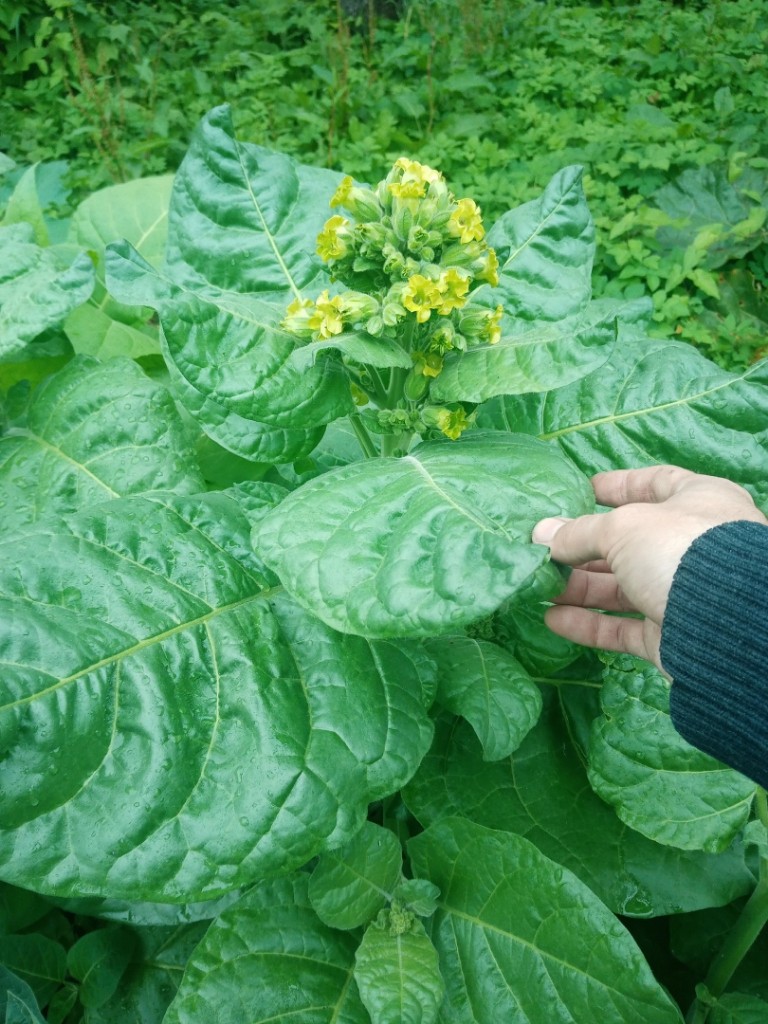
427,364
452,422
327,319
330,242
491,269
341,195
465,223
407,189
492,329
296,319
414,180
453,287
421,296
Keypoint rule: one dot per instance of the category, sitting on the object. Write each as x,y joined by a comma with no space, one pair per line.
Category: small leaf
419,896
17,1000
98,960
350,885
270,958
36,293
735,1008
37,960
398,975
657,782
520,937
358,347
426,543
482,683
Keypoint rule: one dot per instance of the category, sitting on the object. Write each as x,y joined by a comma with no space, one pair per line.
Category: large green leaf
521,938
193,727
484,684
245,219
36,291
270,958
349,886
545,250
93,432
422,544
246,438
653,401
546,356
543,793
232,363
397,973
656,782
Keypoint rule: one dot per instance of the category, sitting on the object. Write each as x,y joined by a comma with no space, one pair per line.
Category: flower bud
415,386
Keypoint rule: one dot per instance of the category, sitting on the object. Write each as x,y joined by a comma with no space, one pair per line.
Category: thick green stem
748,926
362,435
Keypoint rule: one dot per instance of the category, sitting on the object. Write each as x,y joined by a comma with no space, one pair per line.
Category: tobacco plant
273,645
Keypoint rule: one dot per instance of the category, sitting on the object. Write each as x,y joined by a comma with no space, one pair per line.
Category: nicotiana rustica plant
272,622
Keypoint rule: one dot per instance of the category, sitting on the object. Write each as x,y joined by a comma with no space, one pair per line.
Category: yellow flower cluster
414,254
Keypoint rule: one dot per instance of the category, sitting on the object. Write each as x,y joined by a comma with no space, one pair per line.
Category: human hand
626,559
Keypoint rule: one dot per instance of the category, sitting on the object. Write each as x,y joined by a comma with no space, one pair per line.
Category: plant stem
362,435
748,926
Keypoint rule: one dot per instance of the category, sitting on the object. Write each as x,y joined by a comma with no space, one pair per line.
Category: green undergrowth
663,104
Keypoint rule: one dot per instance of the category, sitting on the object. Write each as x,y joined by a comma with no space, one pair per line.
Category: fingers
595,590
652,484
574,541
607,632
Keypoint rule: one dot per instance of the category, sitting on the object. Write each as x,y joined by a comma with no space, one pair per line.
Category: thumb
573,541
544,531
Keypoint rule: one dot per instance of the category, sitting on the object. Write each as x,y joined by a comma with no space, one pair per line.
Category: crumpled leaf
655,781
484,684
349,886
194,728
93,432
653,401
398,975
521,937
422,544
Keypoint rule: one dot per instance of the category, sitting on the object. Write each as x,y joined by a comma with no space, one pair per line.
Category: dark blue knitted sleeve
714,645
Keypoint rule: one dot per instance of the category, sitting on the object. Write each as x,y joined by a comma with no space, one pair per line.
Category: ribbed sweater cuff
714,645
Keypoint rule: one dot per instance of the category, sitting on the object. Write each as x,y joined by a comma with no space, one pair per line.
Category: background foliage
664,105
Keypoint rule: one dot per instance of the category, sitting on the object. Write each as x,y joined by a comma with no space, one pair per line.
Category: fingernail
544,531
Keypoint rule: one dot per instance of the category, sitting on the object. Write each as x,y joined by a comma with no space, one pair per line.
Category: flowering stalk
411,256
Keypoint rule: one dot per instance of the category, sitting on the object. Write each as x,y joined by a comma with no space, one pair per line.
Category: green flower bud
415,386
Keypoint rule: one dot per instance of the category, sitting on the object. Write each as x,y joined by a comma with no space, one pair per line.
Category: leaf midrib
141,645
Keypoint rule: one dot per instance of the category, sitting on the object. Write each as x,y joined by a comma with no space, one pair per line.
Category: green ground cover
664,106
